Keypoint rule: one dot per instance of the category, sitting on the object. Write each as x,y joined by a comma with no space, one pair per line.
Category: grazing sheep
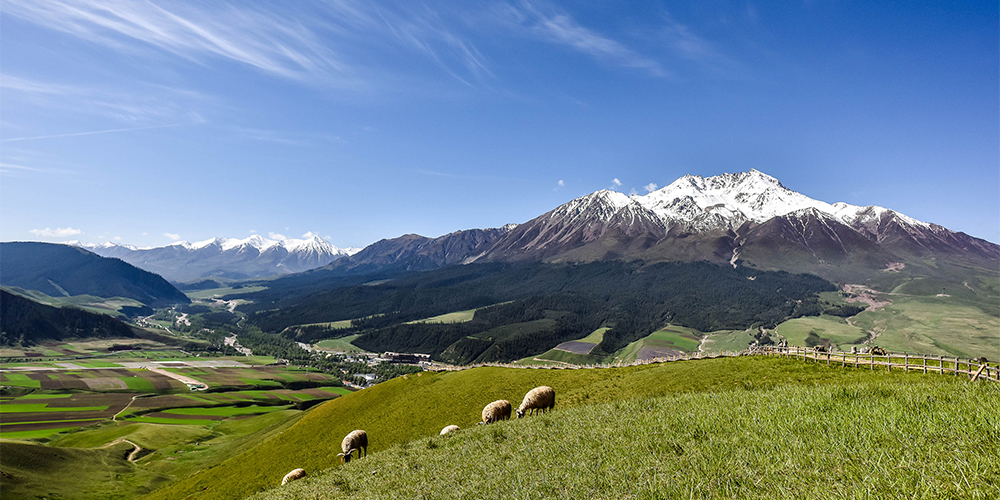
449,429
541,398
292,476
495,411
878,351
820,348
356,440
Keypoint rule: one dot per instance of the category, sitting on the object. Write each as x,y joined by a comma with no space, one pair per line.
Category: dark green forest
543,305
24,322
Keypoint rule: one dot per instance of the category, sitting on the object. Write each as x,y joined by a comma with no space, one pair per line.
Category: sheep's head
345,458
520,412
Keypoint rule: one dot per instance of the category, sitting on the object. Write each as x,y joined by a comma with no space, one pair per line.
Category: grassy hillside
925,438
417,407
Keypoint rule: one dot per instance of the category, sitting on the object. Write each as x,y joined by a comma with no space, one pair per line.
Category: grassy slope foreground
736,426
870,440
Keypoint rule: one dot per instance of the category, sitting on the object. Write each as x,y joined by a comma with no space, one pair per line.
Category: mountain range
230,258
747,217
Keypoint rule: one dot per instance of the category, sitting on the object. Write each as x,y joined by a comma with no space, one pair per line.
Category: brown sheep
496,411
356,440
541,398
878,351
292,476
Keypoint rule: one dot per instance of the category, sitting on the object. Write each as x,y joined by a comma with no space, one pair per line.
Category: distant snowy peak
721,202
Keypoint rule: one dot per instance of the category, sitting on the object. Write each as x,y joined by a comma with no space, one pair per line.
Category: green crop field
452,317
342,344
44,407
831,328
668,338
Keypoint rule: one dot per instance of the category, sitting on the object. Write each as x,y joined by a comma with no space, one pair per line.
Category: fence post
925,363
906,362
888,362
871,361
956,366
940,365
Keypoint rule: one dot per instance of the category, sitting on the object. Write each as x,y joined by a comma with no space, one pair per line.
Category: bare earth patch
653,352
576,347
865,295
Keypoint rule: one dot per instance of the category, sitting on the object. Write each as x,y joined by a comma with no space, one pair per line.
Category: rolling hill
711,427
65,270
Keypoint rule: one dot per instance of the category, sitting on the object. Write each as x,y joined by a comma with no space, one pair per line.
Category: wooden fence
954,366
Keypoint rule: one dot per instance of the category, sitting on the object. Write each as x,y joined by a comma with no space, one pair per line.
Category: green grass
341,344
452,317
728,340
934,325
226,411
36,434
43,408
52,422
172,421
45,396
401,410
93,363
595,337
926,438
19,380
138,384
831,328
35,471
677,338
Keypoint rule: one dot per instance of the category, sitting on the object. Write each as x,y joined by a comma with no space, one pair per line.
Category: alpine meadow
505,249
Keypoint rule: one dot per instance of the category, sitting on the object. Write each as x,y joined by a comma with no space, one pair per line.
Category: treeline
632,298
25,322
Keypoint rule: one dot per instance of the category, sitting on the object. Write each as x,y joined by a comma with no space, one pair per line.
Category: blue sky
147,122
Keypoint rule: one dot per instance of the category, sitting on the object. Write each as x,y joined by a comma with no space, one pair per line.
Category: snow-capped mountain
234,258
747,216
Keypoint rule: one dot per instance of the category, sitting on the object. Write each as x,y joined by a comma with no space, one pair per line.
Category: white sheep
356,440
292,476
496,411
449,429
542,398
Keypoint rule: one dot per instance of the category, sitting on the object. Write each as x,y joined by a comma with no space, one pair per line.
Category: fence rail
952,366
955,366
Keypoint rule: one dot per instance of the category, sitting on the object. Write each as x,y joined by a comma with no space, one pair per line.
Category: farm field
341,344
827,330
564,356
933,325
667,341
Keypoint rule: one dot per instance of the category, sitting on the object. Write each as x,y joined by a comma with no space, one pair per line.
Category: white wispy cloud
59,232
650,187
552,25
173,236
141,102
91,132
560,183
616,182
241,32
309,234
277,236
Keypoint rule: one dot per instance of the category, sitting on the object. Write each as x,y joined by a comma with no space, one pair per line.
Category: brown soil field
652,352
576,347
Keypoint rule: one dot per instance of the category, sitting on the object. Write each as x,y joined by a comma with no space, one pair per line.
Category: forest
528,308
